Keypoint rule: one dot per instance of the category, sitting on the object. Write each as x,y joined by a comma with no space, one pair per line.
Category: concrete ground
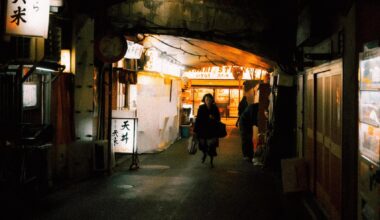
175,185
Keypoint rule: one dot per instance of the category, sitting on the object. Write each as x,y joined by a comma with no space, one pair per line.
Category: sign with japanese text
28,17
134,50
123,135
226,72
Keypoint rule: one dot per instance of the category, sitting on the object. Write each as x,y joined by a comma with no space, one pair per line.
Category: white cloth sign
28,17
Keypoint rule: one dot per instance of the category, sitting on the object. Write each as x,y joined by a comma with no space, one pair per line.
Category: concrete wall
80,152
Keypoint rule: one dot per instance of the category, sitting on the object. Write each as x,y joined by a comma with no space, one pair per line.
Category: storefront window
234,102
198,95
222,97
227,99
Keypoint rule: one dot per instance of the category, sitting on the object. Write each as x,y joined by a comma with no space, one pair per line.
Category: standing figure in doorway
205,127
247,120
242,105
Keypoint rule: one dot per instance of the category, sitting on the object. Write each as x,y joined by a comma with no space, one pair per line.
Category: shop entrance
226,98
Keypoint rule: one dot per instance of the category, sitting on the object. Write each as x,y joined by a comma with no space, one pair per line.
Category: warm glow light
162,63
65,60
225,72
145,80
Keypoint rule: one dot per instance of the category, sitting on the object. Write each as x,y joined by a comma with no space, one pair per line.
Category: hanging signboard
123,135
226,72
134,50
28,17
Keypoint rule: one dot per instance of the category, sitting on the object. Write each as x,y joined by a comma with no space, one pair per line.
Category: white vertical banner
123,134
28,17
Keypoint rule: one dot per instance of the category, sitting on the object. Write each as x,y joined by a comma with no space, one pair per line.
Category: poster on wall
369,140
369,69
369,108
123,135
29,95
28,18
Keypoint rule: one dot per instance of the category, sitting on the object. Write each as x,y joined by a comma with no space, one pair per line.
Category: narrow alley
175,185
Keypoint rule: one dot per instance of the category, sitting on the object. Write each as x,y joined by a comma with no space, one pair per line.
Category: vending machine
369,134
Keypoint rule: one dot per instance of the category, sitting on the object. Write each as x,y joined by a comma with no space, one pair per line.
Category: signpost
123,138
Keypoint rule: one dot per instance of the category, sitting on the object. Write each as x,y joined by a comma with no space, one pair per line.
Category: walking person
205,127
242,105
247,120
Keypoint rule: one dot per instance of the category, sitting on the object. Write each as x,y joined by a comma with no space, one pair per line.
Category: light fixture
49,66
66,60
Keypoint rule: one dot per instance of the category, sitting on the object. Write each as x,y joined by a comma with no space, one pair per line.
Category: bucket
185,131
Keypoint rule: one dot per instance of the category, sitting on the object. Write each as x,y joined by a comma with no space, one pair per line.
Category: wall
349,118
158,116
79,158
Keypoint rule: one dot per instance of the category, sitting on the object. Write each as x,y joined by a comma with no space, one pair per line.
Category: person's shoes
211,165
246,158
203,158
256,162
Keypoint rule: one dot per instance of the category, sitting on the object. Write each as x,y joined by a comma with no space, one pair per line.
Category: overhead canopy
195,53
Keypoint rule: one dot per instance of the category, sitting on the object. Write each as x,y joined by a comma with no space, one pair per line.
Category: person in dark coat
247,120
208,117
242,105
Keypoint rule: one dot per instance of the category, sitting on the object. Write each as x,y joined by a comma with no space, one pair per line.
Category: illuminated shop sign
28,17
159,62
123,135
225,72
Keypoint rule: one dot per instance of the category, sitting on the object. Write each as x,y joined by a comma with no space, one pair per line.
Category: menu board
370,70
369,105
369,141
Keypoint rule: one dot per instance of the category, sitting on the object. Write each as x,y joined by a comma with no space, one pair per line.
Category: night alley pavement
175,185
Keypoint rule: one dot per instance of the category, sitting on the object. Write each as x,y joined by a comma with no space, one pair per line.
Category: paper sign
123,135
28,17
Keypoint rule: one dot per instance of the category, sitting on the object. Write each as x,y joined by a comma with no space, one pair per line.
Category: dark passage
175,185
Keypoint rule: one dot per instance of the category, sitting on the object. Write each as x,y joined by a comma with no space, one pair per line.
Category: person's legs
247,144
212,144
211,161
243,141
203,148
204,157
250,146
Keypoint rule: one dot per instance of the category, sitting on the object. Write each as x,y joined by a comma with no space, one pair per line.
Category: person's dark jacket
242,105
249,117
206,121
